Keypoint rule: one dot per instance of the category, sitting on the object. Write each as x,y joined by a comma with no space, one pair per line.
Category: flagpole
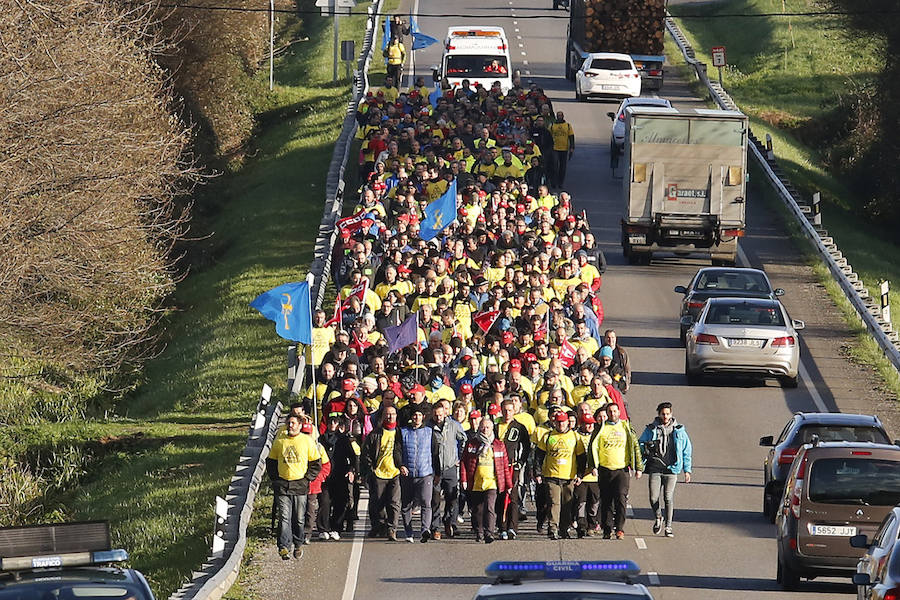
312,359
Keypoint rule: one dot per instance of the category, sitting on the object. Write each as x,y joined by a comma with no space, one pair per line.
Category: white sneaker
460,520
335,535
410,539
324,536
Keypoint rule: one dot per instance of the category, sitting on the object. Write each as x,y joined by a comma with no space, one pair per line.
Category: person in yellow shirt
563,148
564,280
613,454
293,462
587,490
322,340
391,93
381,459
561,447
584,339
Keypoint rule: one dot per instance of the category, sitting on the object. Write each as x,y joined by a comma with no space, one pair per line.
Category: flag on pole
420,40
401,336
485,320
567,353
434,96
289,306
352,223
386,38
439,213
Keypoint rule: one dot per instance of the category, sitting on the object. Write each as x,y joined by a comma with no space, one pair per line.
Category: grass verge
787,74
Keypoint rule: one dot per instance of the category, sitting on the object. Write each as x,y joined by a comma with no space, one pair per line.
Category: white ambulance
479,54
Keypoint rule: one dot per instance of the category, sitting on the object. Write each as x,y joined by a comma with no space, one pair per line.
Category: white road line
359,535
515,23
523,54
525,62
629,511
518,37
521,45
527,72
803,371
640,543
517,30
653,576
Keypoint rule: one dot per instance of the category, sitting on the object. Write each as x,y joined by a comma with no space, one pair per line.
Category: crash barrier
233,512
871,311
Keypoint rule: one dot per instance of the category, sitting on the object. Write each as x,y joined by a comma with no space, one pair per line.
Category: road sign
718,56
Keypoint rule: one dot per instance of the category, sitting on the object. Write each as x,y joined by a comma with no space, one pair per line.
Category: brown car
834,491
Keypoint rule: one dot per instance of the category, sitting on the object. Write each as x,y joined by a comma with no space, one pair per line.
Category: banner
485,320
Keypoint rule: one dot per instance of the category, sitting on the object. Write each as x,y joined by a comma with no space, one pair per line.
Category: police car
71,560
563,580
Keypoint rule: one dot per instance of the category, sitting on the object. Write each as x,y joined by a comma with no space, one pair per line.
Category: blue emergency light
562,569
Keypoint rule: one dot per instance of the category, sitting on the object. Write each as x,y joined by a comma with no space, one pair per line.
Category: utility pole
271,44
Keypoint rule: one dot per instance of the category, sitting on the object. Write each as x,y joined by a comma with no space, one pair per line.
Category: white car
749,336
564,580
607,74
617,141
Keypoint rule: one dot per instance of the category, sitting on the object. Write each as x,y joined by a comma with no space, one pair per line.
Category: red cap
348,384
466,388
404,269
570,218
475,414
530,357
306,428
515,365
494,410
417,388
588,419
520,208
508,337
538,335
561,416
463,212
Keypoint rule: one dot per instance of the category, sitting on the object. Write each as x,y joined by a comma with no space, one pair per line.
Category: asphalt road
722,545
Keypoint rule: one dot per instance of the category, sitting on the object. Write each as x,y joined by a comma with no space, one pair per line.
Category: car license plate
637,239
744,343
610,87
833,530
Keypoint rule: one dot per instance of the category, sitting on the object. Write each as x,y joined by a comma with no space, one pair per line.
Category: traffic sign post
335,8
718,59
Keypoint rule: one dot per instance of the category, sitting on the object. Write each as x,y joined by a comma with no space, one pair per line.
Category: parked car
874,563
715,282
743,336
617,140
607,74
829,427
835,491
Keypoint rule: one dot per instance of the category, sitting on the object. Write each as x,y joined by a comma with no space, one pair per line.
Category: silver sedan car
743,336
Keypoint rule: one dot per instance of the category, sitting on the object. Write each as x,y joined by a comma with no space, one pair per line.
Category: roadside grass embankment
793,76
152,464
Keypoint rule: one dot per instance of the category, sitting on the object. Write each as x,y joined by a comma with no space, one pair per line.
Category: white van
479,54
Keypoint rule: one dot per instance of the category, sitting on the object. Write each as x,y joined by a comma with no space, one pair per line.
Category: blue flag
289,306
434,96
386,38
420,40
439,213
402,335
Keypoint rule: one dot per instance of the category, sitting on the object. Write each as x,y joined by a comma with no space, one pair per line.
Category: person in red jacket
484,472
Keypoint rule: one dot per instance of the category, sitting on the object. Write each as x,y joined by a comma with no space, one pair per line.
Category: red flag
485,320
352,223
336,318
359,290
567,353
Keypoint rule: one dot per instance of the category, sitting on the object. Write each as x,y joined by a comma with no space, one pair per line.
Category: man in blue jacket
666,447
416,473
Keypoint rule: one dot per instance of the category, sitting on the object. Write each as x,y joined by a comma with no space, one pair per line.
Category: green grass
787,75
154,467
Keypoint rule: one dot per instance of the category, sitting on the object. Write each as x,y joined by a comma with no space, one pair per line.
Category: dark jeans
446,488
542,502
291,513
663,484
484,514
385,495
560,161
416,491
613,498
317,507
587,504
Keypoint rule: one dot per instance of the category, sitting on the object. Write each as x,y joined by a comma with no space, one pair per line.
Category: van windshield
864,481
475,65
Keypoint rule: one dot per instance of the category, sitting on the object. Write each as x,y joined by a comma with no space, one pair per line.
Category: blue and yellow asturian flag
439,213
289,306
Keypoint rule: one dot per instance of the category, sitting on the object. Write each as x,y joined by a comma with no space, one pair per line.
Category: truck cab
479,54
684,182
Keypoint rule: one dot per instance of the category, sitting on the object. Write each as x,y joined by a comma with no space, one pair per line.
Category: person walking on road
587,489
563,148
293,462
613,455
381,459
447,438
619,356
486,474
416,473
395,53
667,449
559,471
516,438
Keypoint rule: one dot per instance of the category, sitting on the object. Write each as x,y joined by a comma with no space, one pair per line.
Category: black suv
829,427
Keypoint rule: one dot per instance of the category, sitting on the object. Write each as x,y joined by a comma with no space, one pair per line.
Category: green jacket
633,458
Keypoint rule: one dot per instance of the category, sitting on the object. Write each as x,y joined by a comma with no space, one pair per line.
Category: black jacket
518,444
340,452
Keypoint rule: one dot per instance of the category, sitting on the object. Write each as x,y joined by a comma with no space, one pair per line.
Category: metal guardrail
233,513
867,309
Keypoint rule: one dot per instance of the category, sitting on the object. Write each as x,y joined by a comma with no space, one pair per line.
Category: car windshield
864,481
561,596
765,315
737,281
839,433
474,65
71,590
610,64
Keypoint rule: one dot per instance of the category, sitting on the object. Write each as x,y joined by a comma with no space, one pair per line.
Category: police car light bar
72,559
562,569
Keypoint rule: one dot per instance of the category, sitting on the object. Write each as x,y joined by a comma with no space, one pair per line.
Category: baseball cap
508,337
588,419
475,414
306,428
348,384
515,365
494,410
561,416
465,388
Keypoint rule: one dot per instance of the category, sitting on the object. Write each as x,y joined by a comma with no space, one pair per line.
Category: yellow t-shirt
561,450
590,344
390,94
385,467
609,447
322,340
561,133
485,478
404,287
293,455
445,392
585,440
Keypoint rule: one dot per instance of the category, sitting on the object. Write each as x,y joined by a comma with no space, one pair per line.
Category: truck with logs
684,186
633,27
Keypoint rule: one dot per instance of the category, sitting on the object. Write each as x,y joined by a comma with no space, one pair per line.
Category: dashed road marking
517,30
518,37
515,23
653,576
527,72
640,543
523,54
629,511
359,535
525,62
